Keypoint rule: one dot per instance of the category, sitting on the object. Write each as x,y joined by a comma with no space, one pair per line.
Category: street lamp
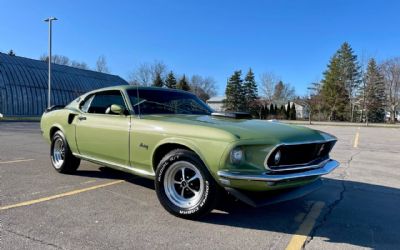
50,21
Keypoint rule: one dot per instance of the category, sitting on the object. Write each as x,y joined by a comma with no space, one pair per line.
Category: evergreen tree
276,109
234,93
183,84
287,111
266,112
282,112
293,112
333,91
374,94
158,81
249,90
271,109
351,75
340,84
11,53
170,82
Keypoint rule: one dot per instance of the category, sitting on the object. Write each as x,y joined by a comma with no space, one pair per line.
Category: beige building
217,103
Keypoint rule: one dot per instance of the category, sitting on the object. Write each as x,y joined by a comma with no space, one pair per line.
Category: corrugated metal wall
23,85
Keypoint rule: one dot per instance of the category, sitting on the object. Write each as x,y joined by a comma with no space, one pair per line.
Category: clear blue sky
293,39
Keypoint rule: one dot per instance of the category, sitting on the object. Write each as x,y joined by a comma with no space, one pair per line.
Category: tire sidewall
68,165
205,202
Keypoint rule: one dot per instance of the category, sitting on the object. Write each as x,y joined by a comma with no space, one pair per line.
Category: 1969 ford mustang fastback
193,154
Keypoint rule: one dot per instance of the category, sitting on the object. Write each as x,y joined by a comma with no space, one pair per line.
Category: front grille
300,155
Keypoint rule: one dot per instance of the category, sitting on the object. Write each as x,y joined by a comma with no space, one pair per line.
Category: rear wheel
61,156
184,186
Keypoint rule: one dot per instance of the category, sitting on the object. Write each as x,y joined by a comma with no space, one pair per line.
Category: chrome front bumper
269,177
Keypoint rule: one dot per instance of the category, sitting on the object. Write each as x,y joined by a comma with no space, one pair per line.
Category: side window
84,105
102,101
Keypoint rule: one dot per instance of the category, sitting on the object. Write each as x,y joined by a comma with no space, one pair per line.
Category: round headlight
237,155
277,157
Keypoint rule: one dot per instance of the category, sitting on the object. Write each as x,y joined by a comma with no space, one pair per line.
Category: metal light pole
50,21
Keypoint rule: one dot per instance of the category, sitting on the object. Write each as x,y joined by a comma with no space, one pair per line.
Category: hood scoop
233,115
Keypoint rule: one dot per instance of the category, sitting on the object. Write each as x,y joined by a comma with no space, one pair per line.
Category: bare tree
203,87
146,73
57,59
101,65
79,65
391,73
268,81
158,68
283,92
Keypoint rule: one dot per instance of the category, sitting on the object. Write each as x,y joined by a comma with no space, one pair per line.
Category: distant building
217,103
302,111
396,116
24,85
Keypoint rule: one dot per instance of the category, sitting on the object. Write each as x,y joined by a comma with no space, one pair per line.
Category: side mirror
117,109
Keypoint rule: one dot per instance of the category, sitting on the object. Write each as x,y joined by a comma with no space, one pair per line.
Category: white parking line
16,161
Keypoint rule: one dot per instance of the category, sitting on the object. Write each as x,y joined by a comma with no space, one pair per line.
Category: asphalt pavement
99,208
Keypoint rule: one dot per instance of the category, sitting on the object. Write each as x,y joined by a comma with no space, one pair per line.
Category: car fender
191,145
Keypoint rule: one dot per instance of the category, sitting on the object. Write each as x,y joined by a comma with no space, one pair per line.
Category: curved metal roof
23,84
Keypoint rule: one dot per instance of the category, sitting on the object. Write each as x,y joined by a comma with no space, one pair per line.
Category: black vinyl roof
24,84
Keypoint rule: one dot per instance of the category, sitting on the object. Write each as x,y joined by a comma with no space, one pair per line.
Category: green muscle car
193,155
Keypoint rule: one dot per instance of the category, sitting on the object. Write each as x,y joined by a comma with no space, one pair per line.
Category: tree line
101,63
242,95
157,74
351,91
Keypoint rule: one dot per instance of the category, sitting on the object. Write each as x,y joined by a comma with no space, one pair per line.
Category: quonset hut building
24,85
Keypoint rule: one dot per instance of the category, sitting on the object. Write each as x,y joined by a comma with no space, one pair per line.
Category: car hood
247,129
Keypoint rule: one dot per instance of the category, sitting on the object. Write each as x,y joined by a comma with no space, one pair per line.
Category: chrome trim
295,166
121,167
234,175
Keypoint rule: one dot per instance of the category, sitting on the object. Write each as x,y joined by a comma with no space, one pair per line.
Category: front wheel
184,186
61,156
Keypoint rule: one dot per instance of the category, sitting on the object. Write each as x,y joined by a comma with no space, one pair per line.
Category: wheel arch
167,146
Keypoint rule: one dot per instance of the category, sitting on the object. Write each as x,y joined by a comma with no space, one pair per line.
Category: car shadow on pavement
354,213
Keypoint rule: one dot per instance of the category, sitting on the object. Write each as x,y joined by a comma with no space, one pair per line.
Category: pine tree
183,84
249,90
351,75
287,111
340,84
234,93
293,112
374,93
282,112
333,91
266,112
11,53
158,81
170,82
271,109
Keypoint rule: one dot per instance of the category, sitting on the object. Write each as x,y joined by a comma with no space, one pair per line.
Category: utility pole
50,21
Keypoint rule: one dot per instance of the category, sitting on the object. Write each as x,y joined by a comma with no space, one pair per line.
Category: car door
100,134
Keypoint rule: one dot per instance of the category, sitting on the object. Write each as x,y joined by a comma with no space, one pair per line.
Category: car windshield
153,101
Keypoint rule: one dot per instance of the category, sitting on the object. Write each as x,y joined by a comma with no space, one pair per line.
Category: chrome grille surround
316,162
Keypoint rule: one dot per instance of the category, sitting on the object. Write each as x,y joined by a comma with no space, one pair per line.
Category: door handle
81,118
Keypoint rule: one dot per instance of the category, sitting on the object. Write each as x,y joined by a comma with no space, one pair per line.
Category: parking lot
99,208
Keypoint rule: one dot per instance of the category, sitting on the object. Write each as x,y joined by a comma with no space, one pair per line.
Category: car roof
129,87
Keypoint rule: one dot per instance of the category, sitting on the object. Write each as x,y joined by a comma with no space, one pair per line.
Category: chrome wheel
58,154
183,184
